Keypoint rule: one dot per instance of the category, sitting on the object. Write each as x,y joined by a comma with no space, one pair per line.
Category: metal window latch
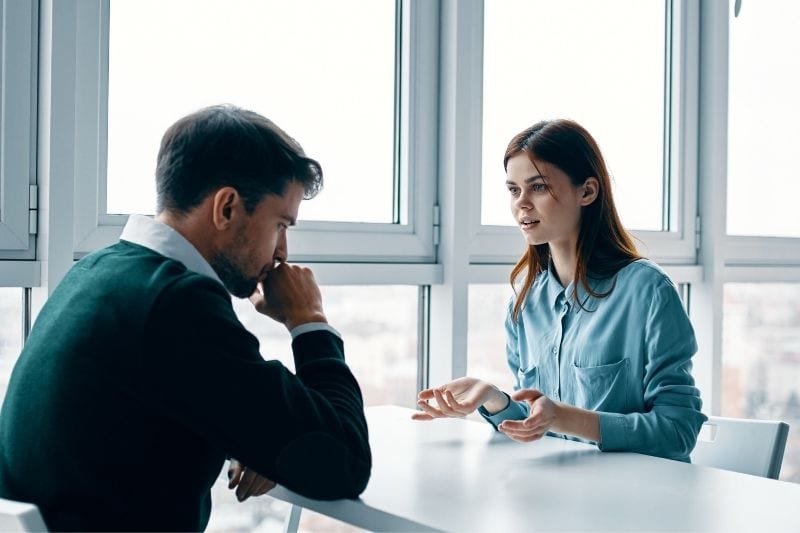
33,210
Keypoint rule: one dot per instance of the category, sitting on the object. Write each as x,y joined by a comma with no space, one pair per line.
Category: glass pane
583,60
486,339
379,328
762,120
312,66
761,359
10,333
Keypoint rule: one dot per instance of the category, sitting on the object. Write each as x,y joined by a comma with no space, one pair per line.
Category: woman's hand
459,398
543,414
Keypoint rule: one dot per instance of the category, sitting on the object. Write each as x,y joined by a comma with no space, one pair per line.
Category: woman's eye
539,187
514,191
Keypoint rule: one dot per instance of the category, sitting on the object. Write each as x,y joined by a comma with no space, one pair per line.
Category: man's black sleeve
306,432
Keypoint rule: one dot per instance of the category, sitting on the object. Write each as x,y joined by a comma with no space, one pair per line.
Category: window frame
18,83
310,241
742,251
491,244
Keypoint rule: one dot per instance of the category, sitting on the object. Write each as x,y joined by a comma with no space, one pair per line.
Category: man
138,379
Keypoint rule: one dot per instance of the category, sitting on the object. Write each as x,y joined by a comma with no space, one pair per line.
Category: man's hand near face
289,295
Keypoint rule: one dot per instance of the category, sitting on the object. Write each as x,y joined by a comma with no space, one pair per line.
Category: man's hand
459,398
247,482
289,295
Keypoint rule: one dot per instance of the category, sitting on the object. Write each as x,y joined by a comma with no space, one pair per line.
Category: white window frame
747,259
761,251
18,78
310,241
500,244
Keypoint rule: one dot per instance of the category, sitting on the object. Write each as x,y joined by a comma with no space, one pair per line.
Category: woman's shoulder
644,273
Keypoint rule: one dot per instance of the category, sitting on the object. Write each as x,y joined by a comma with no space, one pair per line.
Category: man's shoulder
132,267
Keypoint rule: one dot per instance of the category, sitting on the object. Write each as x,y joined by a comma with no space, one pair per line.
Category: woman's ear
588,191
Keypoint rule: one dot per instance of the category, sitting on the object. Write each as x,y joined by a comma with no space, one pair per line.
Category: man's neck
190,229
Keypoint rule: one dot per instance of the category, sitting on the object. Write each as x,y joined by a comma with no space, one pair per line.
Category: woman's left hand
542,415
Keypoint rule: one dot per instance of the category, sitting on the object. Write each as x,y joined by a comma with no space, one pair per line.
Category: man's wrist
293,322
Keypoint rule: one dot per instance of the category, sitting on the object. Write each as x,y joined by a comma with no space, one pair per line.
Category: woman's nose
522,201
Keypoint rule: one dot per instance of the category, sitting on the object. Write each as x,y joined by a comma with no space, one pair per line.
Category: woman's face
545,204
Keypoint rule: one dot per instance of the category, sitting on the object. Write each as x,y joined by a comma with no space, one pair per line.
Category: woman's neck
565,259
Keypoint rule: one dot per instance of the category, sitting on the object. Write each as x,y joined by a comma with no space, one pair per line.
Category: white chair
747,446
18,516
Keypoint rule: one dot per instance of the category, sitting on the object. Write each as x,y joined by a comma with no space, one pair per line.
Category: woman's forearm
571,420
496,401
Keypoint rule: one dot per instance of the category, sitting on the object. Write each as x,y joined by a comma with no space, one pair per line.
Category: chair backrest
18,516
747,446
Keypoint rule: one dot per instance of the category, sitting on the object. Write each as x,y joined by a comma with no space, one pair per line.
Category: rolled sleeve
614,432
513,411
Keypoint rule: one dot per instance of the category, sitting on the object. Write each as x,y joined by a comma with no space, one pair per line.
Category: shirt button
555,350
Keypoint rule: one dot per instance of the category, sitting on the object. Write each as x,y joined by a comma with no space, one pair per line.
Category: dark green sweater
138,379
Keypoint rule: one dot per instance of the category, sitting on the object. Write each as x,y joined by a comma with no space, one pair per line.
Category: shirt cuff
614,432
313,326
513,411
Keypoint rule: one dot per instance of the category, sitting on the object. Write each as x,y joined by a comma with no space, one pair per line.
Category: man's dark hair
226,146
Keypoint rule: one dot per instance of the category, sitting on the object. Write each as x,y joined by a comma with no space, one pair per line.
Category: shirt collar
165,240
555,290
557,295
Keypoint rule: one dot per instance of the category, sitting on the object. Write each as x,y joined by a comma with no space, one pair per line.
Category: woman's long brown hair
604,246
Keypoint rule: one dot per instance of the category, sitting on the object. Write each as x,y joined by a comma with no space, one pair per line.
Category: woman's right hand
459,398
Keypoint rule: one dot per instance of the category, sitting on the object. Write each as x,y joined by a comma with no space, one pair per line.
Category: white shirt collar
165,240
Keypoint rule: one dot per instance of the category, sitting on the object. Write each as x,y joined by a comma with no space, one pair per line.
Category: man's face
257,242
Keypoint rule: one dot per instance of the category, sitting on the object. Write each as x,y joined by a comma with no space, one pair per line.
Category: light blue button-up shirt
626,356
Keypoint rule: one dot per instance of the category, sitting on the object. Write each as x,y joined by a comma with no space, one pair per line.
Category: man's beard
231,275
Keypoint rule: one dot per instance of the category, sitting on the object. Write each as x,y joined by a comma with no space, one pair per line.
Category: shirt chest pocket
603,387
528,378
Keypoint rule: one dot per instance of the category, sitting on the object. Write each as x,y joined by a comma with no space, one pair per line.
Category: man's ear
225,205
589,190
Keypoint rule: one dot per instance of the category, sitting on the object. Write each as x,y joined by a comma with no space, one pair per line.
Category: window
486,358
18,23
310,66
633,86
10,333
761,359
585,61
379,326
762,118
344,92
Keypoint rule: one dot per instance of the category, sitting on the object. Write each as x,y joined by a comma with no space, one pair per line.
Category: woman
597,337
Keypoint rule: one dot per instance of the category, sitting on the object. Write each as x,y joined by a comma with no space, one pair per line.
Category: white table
459,475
